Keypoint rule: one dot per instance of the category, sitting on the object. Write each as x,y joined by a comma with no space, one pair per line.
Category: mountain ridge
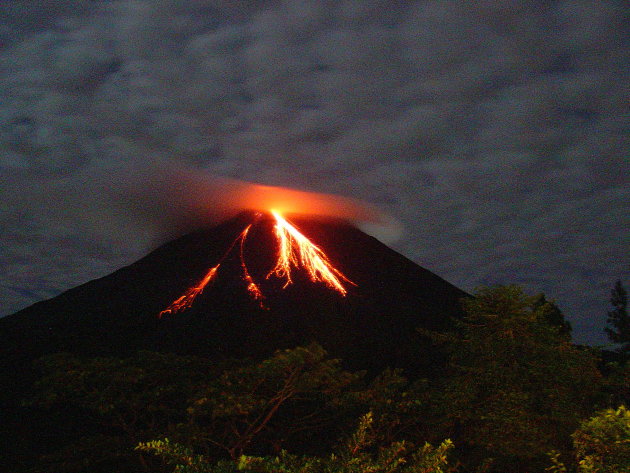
118,313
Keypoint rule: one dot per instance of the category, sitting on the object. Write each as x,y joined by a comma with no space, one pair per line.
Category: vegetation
260,406
601,444
352,456
515,386
618,330
513,389
115,403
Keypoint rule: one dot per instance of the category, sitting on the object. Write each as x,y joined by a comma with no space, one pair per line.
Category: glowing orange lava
298,251
294,251
252,287
185,301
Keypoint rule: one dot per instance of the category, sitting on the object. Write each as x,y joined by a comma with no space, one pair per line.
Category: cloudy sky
496,132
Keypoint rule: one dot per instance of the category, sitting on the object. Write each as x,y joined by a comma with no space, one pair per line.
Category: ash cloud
163,201
495,131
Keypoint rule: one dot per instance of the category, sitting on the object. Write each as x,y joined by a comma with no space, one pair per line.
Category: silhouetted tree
618,330
113,404
238,407
259,406
552,314
516,386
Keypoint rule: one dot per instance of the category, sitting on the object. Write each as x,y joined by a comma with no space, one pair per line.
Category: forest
513,394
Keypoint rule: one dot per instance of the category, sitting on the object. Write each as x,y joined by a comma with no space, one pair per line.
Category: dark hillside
372,327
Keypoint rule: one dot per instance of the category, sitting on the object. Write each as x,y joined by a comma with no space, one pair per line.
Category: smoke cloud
167,201
172,200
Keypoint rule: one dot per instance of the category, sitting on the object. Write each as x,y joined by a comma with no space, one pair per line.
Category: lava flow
184,302
297,250
294,251
252,287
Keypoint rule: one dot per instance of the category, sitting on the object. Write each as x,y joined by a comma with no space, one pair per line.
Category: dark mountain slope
373,326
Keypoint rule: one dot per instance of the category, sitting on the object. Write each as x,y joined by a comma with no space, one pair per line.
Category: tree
515,385
616,384
261,405
111,404
618,320
601,444
552,314
355,455
235,407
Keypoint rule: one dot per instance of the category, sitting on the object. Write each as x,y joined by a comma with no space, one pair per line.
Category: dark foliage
115,316
513,389
618,329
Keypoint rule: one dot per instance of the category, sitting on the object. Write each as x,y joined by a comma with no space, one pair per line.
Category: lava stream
185,301
252,287
294,251
298,251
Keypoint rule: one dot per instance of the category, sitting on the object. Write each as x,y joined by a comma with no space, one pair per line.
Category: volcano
370,325
243,289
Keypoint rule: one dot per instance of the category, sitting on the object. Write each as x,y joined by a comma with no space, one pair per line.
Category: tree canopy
618,329
512,388
515,385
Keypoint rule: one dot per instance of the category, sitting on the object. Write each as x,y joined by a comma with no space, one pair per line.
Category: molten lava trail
252,287
295,251
186,300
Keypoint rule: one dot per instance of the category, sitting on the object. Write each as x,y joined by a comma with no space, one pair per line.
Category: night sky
495,132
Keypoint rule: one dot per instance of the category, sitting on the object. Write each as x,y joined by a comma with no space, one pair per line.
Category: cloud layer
495,131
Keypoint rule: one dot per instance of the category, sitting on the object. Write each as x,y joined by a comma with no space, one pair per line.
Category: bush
601,444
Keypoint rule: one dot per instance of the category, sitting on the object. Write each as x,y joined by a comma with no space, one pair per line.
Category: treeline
514,395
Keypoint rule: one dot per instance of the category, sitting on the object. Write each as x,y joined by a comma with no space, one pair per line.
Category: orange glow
290,201
252,287
185,301
193,198
296,250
